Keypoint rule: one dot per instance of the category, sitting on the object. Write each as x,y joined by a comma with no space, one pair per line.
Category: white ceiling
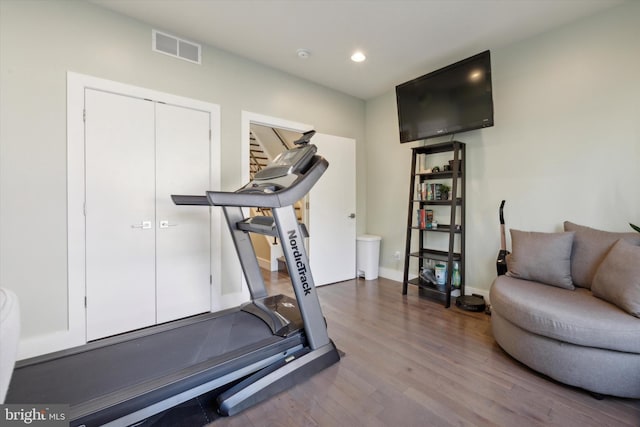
402,39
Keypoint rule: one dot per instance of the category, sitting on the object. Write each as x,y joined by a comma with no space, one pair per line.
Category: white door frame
260,119
246,119
76,84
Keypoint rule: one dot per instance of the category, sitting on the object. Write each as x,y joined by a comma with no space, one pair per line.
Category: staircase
259,159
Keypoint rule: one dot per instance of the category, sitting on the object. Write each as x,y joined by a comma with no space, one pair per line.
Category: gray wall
565,145
39,42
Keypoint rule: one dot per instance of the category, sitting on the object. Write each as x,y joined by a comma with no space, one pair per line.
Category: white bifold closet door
147,261
183,244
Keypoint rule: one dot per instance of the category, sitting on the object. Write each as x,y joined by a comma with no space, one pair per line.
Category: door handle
145,225
352,215
167,224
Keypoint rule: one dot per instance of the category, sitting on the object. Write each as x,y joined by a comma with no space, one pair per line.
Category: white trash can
367,256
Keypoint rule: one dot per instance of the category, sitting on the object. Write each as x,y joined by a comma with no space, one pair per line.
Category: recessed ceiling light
358,57
303,53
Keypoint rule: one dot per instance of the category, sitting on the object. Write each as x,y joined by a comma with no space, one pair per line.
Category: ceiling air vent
176,47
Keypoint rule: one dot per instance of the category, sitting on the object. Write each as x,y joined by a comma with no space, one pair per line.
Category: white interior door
120,213
332,208
183,245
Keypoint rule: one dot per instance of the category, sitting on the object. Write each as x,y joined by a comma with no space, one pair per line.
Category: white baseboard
271,264
264,263
390,274
49,343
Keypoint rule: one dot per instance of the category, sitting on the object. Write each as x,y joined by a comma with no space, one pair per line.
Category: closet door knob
145,225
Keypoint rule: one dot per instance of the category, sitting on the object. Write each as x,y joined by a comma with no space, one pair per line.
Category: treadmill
249,353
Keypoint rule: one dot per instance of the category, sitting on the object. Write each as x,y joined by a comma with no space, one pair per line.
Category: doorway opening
265,144
329,211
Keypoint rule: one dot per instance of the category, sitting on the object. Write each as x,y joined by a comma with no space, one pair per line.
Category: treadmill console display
294,156
288,162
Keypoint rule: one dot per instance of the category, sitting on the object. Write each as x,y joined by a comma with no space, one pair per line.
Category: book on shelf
424,218
421,191
428,192
436,191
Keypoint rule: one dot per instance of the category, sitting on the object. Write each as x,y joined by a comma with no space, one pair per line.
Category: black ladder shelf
423,234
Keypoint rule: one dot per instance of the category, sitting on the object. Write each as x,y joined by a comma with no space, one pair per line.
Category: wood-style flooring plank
411,362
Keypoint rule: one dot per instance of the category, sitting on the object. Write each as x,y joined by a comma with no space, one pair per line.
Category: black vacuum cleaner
473,302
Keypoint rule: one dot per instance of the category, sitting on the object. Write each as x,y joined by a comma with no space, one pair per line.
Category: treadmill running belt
107,369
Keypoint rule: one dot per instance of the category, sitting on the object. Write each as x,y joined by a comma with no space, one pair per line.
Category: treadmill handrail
190,200
279,198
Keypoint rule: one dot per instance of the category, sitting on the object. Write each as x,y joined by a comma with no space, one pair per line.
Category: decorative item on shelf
426,274
435,169
446,168
444,191
455,276
459,165
441,274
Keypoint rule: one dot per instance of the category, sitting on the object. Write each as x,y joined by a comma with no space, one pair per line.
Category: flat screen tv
453,99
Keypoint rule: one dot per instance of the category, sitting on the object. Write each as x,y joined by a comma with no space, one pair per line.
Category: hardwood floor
410,362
